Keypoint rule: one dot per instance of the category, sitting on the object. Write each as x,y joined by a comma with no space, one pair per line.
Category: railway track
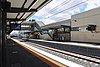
87,51
87,61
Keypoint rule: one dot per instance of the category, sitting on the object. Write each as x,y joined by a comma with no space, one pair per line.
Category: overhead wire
66,9
58,6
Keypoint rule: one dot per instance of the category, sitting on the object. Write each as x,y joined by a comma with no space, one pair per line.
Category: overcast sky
58,10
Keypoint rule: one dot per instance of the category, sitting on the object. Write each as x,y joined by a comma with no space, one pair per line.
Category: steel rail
63,52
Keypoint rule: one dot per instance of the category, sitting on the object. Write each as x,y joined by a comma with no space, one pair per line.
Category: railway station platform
18,57
37,53
26,41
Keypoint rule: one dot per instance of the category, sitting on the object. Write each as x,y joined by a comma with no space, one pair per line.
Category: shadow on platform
18,57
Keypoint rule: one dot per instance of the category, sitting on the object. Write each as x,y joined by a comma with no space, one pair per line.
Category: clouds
92,4
58,10
48,21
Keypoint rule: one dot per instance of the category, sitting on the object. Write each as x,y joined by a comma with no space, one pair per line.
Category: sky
58,10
